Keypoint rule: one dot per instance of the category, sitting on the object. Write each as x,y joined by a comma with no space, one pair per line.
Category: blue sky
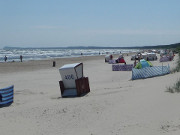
60,23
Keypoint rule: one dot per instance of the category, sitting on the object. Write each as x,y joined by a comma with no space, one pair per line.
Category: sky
112,23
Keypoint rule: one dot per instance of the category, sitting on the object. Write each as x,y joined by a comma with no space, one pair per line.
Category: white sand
116,105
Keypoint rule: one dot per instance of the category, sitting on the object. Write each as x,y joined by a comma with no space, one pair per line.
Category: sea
13,54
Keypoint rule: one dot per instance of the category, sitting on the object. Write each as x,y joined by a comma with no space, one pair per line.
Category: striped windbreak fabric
6,96
166,58
125,67
150,72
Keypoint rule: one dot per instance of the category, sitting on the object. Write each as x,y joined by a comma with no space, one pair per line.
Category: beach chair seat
82,87
6,96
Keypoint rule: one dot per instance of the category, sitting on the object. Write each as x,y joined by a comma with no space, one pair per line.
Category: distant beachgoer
139,58
121,60
148,59
111,57
5,58
21,57
135,63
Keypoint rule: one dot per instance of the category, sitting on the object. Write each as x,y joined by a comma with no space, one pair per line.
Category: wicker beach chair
73,82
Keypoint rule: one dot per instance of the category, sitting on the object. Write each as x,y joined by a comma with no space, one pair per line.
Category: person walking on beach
5,58
21,57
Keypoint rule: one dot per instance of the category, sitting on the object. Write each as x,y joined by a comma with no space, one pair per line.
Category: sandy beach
116,105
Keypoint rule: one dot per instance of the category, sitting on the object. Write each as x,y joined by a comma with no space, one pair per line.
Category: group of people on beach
21,57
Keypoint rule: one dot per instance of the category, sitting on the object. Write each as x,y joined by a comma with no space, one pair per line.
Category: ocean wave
38,54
